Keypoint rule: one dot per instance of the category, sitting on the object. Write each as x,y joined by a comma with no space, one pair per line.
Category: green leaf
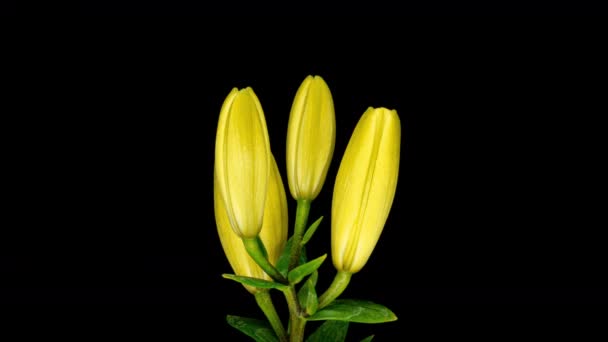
255,282
368,338
254,328
303,256
311,230
283,262
352,310
297,274
307,296
330,331
313,278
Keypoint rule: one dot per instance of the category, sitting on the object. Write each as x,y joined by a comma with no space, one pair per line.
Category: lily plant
251,214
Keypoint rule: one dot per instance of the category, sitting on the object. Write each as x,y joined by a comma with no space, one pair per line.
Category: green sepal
352,310
334,331
283,262
297,274
255,282
307,296
368,338
254,328
311,230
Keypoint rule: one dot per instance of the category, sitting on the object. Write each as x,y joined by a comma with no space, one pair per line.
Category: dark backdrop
357,7
112,159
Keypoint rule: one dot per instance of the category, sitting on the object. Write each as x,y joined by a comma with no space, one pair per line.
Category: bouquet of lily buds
252,218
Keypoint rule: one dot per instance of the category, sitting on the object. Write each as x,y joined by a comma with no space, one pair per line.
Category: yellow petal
274,228
273,234
242,161
311,136
365,187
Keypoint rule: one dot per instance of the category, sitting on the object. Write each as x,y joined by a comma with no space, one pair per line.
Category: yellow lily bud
311,135
242,161
273,233
365,188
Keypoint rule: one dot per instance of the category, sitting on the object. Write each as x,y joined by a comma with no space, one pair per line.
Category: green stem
338,285
264,301
256,250
302,212
296,318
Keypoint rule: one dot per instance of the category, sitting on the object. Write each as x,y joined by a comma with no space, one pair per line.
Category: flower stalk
265,303
338,285
302,211
257,251
297,321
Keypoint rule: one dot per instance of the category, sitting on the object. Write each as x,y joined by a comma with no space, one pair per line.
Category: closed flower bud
311,136
242,161
273,233
365,188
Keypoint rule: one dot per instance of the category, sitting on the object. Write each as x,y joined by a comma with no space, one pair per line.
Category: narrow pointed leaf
303,256
368,338
308,295
255,282
254,328
352,310
330,331
283,262
311,230
297,274
314,277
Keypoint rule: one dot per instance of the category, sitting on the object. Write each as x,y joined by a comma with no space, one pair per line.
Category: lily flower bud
242,161
311,135
365,188
273,233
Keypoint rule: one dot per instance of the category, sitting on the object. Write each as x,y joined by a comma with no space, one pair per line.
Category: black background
111,159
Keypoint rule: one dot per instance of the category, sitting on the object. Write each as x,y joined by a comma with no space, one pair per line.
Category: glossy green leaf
368,338
255,282
307,296
311,230
254,328
283,262
297,274
352,310
330,331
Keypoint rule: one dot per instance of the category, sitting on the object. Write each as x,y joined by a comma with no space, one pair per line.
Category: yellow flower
311,136
273,234
365,188
242,161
